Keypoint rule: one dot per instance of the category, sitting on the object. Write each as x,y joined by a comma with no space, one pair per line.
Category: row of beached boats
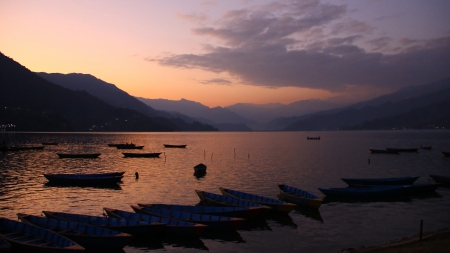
403,150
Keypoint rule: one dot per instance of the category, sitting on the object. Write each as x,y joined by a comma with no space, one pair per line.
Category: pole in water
204,154
369,160
136,174
421,229
164,156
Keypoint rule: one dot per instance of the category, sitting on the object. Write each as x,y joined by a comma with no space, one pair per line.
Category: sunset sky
224,52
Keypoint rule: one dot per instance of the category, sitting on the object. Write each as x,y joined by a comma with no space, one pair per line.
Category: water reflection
257,223
309,213
199,175
404,198
185,242
281,219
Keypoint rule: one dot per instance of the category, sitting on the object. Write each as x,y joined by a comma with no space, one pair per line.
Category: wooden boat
78,155
299,197
404,149
213,221
174,146
200,168
441,179
216,199
120,144
380,181
154,155
367,191
86,179
230,211
173,227
29,238
132,227
275,204
425,147
384,151
128,146
4,244
86,235
31,147
49,143
446,153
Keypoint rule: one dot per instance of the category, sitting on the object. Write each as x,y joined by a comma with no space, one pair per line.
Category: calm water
251,162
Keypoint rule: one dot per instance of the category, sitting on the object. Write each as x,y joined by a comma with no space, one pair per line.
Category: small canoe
174,146
380,181
173,227
29,238
441,179
128,146
367,191
145,155
220,200
86,235
78,155
230,211
446,153
132,227
403,149
212,221
85,179
120,144
299,197
200,168
275,204
49,143
384,151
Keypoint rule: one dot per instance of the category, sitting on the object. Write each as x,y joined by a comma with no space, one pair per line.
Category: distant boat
384,151
29,238
446,153
85,179
367,191
49,143
128,146
121,144
174,146
380,181
313,138
200,168
298,196
441,179
403,149
141,154
78,155
86,235
425,147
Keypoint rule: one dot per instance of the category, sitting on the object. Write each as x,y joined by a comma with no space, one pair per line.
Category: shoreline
432,242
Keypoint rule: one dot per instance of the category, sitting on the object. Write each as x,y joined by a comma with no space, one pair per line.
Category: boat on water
404,149
441,179
424,187
200,168
174,145
425,147
380,181
19,148
78,155
128,146
230,211
275,204
446,153
383,151
121,144
132,227
367,191
49,143
86,235
24,237
173,226
210,198
298,196
154,155
4,244
213,221
85,179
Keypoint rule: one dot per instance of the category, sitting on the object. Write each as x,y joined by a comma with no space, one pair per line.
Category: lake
249,161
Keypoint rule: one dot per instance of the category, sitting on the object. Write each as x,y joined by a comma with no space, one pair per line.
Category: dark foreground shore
432,242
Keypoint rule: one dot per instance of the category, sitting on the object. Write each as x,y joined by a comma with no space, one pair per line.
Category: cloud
310,44
219,81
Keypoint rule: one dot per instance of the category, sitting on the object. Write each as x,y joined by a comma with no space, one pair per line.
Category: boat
49,143
380,181
446,153
403,149
29,238
212,221
78,155
383,151
275,204
173,227
132,227
230,211
367,191
4,244
128,146
425,147
313,138
441,179
174,145
85,179
424,187
120,144
142,154
200,168
31,147
220,200
298,196
86,235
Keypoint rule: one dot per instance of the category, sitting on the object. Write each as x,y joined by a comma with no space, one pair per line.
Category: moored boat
49,143
213,221
174,145
367,191
145,155
425,147
29,238
446,153
441,179
128,146
298,196
121,144
403,149
200,168
230,211
275,204
4,244
173,226
383,151
216,199
380,181
424,187
85,179
132,227
86,235
78,155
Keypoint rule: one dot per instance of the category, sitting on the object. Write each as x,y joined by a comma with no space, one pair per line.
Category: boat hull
380,181
441,179
88,155
367,192
142,155
85,179
299,197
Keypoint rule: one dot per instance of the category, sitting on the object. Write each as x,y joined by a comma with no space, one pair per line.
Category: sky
224,52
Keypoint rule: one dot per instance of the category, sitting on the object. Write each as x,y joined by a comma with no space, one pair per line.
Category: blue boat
29,238
132,227
220,200
173,227
275,204
298,196
246,212
213,221
380,181
86,235
367,191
